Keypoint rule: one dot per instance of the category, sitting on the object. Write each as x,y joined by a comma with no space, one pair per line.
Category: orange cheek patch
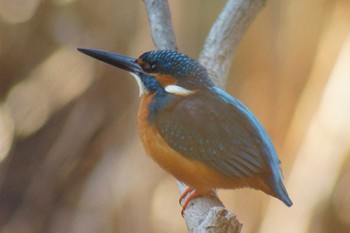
165,80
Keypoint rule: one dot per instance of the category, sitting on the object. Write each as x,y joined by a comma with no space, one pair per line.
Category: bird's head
159,71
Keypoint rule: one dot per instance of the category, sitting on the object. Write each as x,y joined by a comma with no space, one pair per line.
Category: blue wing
218,130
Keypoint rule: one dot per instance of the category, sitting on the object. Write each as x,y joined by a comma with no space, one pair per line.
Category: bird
196,131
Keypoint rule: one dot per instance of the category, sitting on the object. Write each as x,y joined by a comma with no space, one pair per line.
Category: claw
193,195
184,194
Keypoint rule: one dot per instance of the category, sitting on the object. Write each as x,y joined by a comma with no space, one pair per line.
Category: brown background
70,157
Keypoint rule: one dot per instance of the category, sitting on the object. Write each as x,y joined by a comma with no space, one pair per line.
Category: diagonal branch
224,36
207,214
161,26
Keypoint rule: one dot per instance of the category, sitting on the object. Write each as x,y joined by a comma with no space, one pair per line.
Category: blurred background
70,157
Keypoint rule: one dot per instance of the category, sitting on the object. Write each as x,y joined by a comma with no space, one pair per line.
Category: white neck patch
177,90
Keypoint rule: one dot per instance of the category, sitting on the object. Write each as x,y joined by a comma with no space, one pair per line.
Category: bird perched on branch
196,131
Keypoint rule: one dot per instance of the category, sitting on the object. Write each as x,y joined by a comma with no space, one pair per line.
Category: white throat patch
142,88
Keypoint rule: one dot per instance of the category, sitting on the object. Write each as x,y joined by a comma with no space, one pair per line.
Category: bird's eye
151,68
146,66
154,67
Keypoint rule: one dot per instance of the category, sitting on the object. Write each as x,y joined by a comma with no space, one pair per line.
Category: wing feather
218,130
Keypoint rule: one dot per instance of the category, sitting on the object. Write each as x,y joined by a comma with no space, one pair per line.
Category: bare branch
225,35
208,214
160,21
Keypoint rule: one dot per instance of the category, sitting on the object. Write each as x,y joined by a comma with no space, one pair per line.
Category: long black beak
120,61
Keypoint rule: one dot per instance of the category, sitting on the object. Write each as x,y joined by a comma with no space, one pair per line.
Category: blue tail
283,195
278,189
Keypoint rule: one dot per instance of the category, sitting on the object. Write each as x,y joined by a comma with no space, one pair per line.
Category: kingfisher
196,131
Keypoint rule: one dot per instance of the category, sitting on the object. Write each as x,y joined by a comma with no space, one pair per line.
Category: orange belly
192,172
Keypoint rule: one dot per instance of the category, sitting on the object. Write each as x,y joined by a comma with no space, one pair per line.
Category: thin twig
160,21
224,36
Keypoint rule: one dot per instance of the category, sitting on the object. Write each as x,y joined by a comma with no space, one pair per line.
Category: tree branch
160,21
224,36
207,213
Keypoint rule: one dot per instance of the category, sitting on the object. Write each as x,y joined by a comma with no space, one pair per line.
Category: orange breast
192,172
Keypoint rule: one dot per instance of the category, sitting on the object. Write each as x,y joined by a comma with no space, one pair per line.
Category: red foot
184,194
193,195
